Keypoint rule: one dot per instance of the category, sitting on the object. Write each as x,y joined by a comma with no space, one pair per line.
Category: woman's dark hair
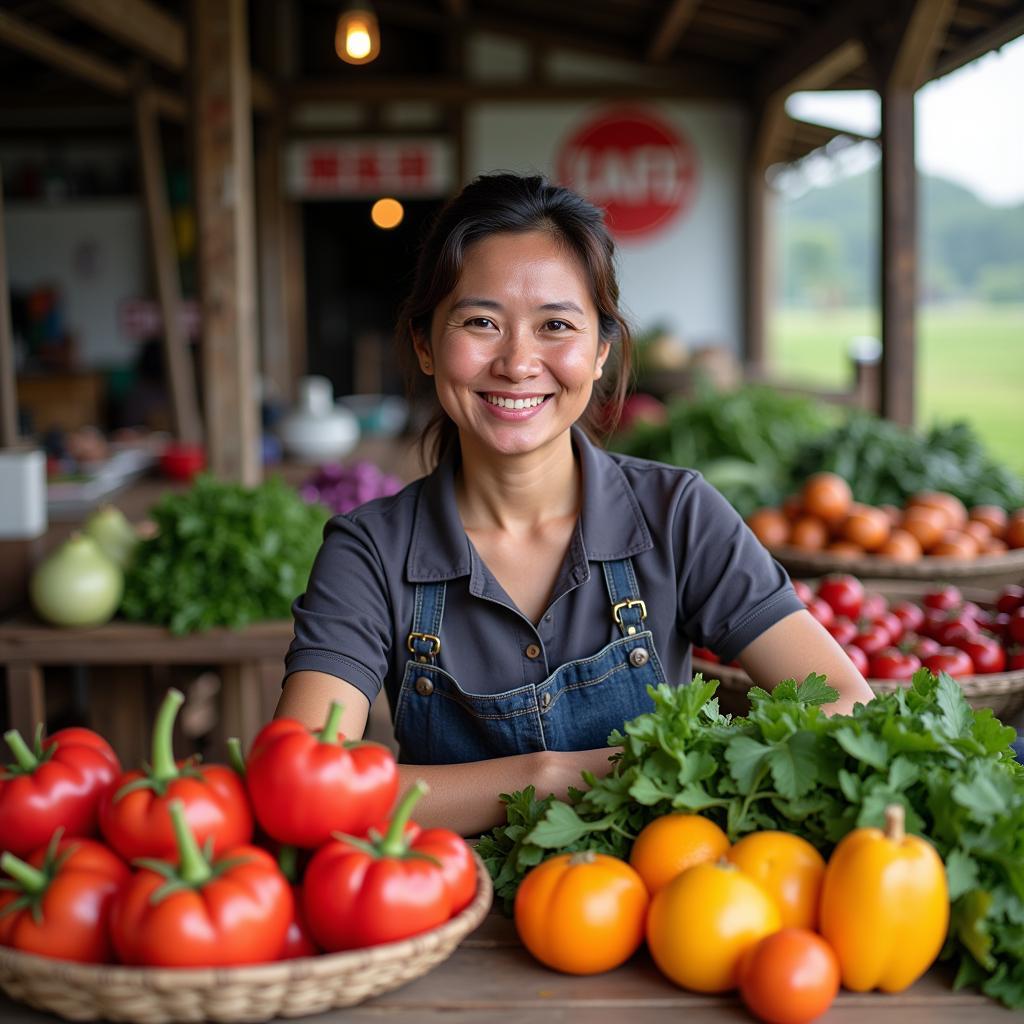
510,203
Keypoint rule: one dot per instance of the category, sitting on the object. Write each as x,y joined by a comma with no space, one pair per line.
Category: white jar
317,429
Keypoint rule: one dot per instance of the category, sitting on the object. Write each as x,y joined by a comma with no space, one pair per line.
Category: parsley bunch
224,555
788,766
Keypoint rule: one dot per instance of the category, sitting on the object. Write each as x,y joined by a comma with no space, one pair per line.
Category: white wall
94,251
689,275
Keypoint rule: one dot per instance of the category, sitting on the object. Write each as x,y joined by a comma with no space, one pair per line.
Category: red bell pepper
230,910
59,784
364,892
59,903
134,815
305,785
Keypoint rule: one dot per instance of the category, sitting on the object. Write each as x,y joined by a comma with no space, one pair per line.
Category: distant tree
1001,282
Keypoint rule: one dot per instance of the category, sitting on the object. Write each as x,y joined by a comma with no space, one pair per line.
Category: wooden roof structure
127,64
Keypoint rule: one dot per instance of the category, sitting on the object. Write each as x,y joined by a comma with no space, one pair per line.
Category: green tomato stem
164,767
235,756
329,733
31,879
27,761
394,843
193,867
288,862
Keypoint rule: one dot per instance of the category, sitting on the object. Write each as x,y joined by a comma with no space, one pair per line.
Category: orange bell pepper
884,906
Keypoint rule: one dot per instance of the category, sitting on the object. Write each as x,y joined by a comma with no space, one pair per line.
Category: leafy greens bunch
788,766
224,555
744,441
886,463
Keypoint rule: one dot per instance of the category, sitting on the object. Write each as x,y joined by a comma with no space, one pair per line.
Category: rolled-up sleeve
731,589
342,621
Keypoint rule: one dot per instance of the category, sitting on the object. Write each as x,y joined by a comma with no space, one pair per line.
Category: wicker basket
291,988
983,571
1003,692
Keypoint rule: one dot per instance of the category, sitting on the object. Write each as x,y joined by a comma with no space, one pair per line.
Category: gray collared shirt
705,579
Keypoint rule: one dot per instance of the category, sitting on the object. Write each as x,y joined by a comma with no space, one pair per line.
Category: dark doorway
356,277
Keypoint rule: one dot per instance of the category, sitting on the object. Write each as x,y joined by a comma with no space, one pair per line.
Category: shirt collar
613,525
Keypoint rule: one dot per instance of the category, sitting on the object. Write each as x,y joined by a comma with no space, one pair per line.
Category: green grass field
970,364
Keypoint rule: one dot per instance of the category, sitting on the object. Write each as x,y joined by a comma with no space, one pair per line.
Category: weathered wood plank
8,392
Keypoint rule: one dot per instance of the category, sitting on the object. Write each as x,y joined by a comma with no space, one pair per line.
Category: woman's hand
561,769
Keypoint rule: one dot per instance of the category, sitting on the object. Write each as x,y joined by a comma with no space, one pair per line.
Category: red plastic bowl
182,461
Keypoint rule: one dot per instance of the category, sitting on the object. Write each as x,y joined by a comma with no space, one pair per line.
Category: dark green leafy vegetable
885,464
788,766
744,441
224,555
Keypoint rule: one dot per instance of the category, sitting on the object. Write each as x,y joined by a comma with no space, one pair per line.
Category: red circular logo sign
638,168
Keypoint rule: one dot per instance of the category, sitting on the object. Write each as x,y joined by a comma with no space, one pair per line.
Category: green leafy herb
786,765
224,555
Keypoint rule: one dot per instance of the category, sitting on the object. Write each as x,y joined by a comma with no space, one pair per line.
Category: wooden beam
692,83
222,134
920,42
1010,28
137,23
8,392
821,54
79,63
668,33
177,356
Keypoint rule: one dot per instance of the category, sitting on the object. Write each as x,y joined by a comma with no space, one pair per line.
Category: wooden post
222,126
177,355
8,392
899,256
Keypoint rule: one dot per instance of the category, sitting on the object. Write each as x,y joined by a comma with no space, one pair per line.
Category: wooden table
491,979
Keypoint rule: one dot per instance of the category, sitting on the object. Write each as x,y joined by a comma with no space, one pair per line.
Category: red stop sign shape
642,171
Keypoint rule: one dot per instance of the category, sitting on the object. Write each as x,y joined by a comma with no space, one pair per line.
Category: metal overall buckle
628,603
430,638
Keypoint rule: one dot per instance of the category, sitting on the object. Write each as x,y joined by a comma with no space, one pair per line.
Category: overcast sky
970,125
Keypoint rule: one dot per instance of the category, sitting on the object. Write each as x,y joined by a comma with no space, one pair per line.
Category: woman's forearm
465,797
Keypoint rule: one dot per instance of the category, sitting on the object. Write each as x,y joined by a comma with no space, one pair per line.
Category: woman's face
514,349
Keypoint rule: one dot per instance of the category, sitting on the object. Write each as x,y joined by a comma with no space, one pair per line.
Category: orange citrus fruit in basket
673,843
827,496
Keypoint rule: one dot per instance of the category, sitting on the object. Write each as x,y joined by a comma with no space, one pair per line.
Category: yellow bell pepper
884,906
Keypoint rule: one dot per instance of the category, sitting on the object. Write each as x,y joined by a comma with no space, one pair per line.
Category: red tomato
945,598
951,632
1015,627
803,591
925,646
952,660
822,611
1000,625
986,652
1015,658
844,594
892,663
790,977
872,637
910,614
858,657
874,606
843,629
1011,597
893,623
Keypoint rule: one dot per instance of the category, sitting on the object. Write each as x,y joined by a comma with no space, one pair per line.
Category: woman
516,603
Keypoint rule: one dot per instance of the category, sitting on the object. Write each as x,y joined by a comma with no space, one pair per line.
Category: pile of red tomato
298,851
944,633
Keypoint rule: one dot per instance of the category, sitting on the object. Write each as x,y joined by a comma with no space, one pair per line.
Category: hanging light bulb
357,35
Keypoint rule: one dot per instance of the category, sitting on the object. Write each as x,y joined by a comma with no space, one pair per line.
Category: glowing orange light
387,213
357,35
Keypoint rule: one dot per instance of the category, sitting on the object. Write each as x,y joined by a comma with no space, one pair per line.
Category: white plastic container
22,494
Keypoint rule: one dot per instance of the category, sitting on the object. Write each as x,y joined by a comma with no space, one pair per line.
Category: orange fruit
927,524
769,526
827,496
902,546
673,843
867,526
993,516
788,868
809,533
845,549
950,505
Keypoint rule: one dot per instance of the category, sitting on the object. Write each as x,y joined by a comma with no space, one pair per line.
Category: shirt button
424,687
545,701
533,651
638,657
547,618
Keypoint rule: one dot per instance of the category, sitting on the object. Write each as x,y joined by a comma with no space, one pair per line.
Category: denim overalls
575,708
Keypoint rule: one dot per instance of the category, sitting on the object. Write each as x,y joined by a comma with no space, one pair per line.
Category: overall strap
628,610
424,640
